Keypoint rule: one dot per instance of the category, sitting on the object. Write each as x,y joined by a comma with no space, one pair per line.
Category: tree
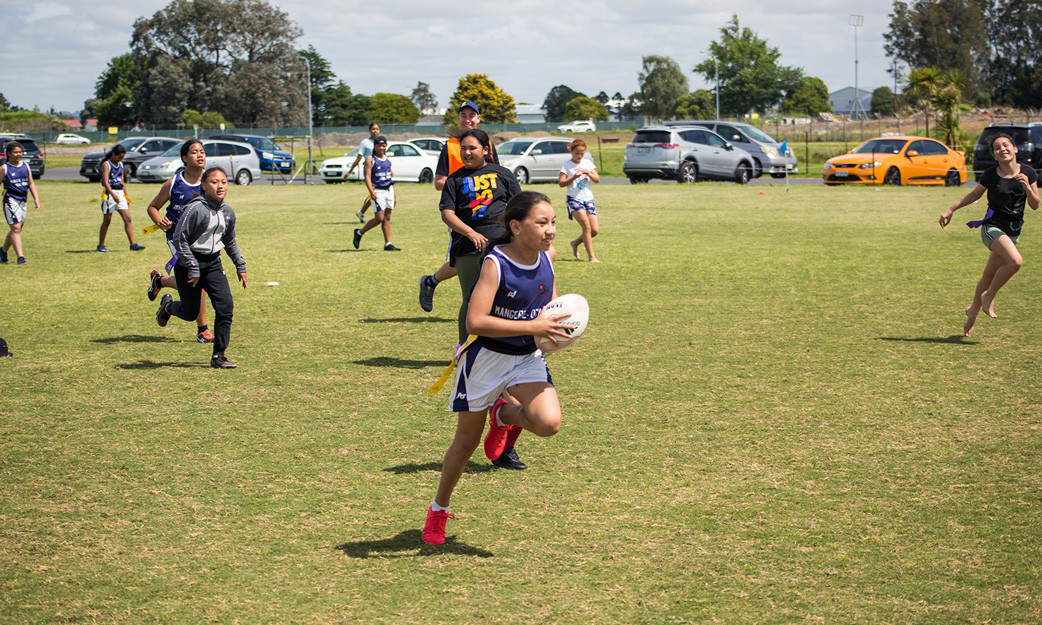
114,92
582,107
946,34
391,108
883,101
750,77
556,100
699,104
236,57
947,100
342,108
496,105
209,119
423,98
4,104
322,78
1015,37
602,97
922,86
662,82
809,98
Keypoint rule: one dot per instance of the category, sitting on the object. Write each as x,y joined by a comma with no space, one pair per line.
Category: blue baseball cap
469,104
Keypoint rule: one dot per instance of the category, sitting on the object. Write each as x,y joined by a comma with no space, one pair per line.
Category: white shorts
15,210
484,374
114,202
384,198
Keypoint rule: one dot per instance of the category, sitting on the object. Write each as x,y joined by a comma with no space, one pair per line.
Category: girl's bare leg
468,435
105,220
14,239
1011,262
539,412
127,226
588,223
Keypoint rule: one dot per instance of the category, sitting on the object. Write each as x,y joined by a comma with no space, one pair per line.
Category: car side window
715,141
407,150
241,150
933,147
210,149
540,148
694,136
729,133
916,146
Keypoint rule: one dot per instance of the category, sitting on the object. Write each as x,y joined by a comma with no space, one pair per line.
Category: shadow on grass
149,364
955,339
408,544
410,320
80,251
135,338
403,469
401,363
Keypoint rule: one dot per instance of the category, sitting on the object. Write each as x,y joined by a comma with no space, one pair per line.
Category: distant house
530,114
73,124
846,103
91,125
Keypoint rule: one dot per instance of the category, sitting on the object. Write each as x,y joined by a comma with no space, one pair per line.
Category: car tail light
666,146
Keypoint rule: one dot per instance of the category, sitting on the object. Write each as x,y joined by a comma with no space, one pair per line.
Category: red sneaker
434,528
155,285
496,439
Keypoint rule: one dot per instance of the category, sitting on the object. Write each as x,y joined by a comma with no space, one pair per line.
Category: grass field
772,418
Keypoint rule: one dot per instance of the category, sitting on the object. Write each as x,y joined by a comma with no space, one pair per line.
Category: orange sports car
897,160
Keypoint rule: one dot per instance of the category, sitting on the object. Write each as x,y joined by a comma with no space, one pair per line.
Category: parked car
684,154
533,159
897,160
239,161
71,139
408,163
31,153
1028,140
431,144
579,126
139,150
766,152
272,157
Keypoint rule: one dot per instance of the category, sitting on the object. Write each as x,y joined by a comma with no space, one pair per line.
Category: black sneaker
220,362
389,247
155,285
509,460
3,256
102,248
136,248
22,261
358,237
163,315
426,294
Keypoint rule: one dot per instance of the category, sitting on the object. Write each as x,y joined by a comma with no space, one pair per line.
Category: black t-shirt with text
1006,199
478,198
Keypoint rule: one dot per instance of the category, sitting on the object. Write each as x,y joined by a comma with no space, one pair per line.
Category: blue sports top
381,173
16,181
115,175
524,290
181,193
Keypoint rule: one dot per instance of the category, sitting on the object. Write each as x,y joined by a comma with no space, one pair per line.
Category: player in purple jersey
379,180
18,184
179,191
114,198
506,312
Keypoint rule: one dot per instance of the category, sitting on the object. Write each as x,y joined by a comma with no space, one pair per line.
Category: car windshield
1019,135
261,143
758,135
29,146
130,144
881,146
513,148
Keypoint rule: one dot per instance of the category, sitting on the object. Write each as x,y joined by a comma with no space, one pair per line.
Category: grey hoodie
206,227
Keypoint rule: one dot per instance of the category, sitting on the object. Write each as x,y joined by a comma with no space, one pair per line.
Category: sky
54,50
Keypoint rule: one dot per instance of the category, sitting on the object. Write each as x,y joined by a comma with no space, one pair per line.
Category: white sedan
71,139
408,162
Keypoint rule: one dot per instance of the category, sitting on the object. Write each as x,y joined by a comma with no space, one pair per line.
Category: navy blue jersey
181,193
115,175
16,181
524,290
381,173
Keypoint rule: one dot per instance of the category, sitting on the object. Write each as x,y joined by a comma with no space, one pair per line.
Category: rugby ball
578,311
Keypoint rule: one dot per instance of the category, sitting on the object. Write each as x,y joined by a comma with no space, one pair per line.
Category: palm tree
947,100
923,84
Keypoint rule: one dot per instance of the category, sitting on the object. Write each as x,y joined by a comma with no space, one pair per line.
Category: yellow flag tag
436,387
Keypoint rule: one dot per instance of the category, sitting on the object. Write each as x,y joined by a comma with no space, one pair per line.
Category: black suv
30,153
139,150
1028,140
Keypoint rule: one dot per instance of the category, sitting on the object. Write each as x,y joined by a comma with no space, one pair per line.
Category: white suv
579,126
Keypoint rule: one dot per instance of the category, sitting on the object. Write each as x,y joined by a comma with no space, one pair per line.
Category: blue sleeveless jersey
381,173
16,182
115,175
181,193
523,292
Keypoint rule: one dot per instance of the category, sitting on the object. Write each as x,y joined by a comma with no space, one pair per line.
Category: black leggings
215,283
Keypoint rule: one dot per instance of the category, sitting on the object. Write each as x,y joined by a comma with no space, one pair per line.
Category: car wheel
892,177
952,179
522,175
93,179
777,175
244,177
426,176
757,168
742,173
688,172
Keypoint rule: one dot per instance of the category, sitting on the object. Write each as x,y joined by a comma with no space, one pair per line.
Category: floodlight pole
307,64
716,75
857,21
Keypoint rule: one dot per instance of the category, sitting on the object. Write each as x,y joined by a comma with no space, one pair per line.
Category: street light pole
857,21
716,75
311,131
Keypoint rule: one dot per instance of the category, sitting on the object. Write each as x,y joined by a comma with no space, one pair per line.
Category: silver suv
684,154
766,152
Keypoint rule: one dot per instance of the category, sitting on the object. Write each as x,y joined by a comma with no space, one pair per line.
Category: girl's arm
481,322
105,177
968,199
369,176
592,173
157,204
456,224
36,198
